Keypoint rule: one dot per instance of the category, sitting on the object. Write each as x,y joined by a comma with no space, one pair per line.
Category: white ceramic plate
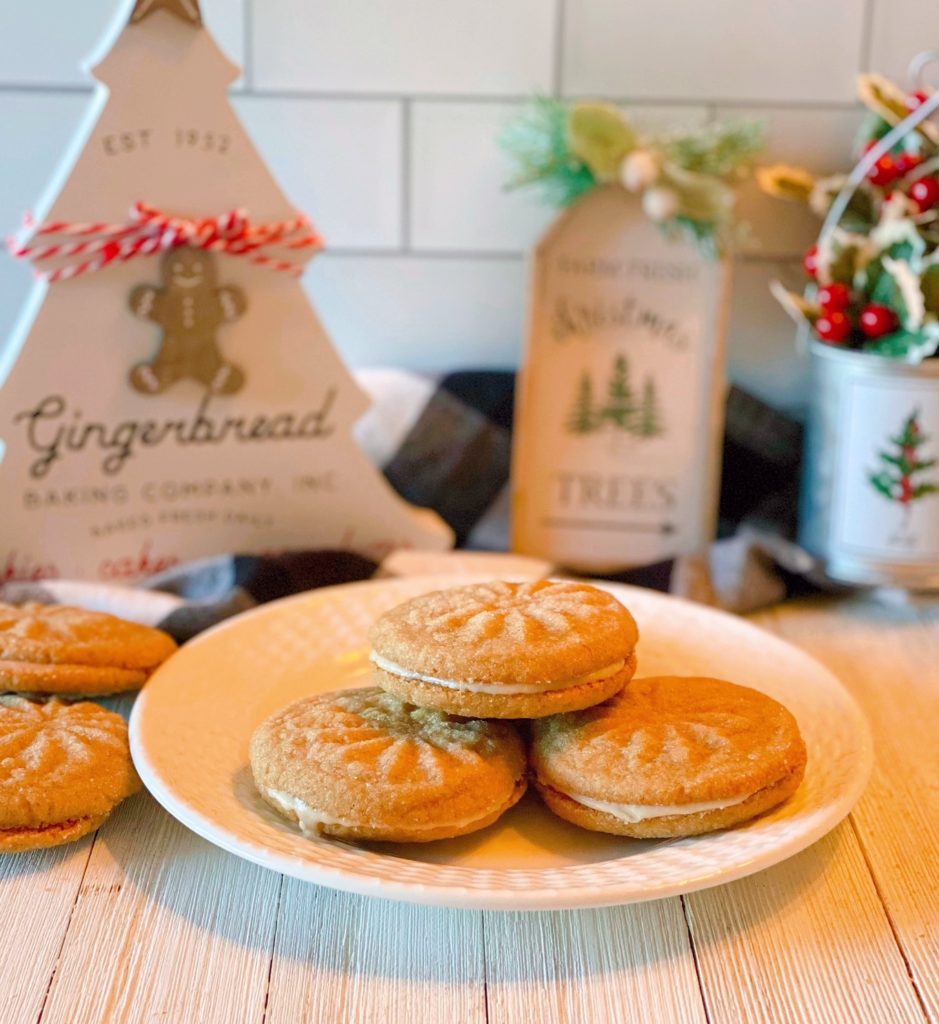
191,725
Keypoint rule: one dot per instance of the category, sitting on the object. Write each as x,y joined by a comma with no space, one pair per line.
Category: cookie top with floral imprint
513,633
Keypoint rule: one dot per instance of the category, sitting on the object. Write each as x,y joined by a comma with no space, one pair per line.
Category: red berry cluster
892,167
840,315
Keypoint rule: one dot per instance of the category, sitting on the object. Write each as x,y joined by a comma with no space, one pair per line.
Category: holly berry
833,327
916,99
810,262
834,297
925,192
878,320
907,161
884,172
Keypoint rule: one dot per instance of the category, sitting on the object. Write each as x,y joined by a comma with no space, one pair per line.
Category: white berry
660,203
639,170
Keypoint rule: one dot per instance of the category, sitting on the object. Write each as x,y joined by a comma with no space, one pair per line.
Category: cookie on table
361,764
669,756
63,769
56,649
506,650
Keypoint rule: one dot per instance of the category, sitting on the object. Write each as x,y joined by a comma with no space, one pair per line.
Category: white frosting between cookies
311,819
633,813
503,688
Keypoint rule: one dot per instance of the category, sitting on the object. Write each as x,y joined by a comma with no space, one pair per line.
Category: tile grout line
890,921
252,89
68,925
867,33
406,172
557,70
247,64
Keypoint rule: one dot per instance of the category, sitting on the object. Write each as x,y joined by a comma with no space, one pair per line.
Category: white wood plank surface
166,928
37,893
150,923
888,657
347,958
616,964
805,940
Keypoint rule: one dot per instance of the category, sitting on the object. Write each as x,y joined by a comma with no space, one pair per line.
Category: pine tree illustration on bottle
650,423
620,408
621,413
900,478
583,417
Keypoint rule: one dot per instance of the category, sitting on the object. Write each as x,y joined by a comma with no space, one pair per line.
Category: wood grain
888,657
37,893
166,927
620,963
347,958
149,923
807,940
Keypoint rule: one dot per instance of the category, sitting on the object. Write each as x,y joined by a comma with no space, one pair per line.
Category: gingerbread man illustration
190,308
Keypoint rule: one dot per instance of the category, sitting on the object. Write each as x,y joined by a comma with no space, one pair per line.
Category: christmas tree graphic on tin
900,478
623,411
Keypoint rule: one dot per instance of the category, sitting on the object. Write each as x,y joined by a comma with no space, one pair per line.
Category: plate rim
456,896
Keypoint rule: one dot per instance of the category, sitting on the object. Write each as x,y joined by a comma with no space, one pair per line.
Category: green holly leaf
885,289
929,283
921,490
912,346
599,135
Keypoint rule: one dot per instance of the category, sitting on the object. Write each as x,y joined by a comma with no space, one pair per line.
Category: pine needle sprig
723,151
538,143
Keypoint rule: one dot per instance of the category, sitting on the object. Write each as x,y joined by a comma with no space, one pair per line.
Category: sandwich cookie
55,649
669,756
506,650
63,769
360,764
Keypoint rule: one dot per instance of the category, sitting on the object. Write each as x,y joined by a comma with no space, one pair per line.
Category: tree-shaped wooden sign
170,391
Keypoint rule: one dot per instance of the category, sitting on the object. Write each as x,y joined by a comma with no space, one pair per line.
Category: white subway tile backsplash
16,279
713,49
419,313
346,153
47,42
489,47
338,161
761,338
900,30
459,198
37,129
822,141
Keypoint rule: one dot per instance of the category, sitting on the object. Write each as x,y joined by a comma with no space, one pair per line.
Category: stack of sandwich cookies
361,764
506,650
669,756
55,649
63,769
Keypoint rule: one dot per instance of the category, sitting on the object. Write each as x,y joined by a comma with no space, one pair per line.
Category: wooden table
147,922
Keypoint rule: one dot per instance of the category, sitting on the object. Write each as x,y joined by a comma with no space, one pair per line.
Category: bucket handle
917,66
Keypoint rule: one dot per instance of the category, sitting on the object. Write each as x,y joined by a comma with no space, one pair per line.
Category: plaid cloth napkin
446,445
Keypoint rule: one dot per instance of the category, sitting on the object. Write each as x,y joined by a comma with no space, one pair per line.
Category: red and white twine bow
150,230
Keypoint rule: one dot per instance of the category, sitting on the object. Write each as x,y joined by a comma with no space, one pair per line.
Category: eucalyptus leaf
599,135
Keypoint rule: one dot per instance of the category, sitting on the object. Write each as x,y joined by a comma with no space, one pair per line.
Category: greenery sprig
874,281
685,181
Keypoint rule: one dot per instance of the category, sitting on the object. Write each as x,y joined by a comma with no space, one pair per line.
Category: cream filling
311,820
633,813
504,688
